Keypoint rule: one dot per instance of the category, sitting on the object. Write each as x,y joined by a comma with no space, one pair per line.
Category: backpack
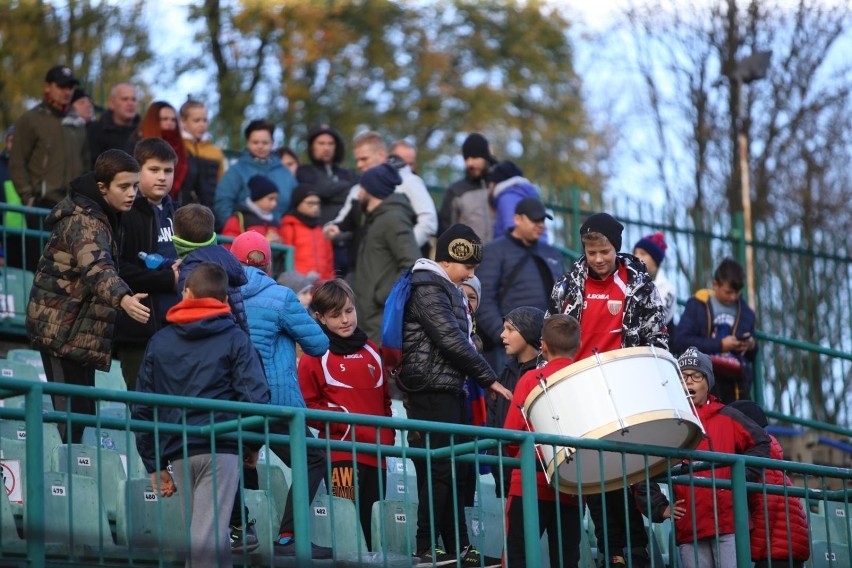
392,324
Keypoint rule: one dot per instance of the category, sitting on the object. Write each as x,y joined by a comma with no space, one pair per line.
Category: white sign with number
57,490
320,511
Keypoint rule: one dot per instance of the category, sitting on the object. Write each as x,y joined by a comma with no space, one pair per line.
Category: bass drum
633,395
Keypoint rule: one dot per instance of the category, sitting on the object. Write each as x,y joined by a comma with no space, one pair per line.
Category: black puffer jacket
436,352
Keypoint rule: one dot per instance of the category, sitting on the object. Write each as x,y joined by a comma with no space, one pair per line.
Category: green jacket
387,249
49,151
77,292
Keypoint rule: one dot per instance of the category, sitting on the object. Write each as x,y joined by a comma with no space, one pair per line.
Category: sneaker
473,558
244,539
439,558
288,548
616,561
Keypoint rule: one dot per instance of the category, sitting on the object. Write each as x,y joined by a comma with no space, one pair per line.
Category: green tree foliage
103,42
431,72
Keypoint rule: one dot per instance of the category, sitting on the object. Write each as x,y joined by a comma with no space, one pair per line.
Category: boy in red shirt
348,378
560,339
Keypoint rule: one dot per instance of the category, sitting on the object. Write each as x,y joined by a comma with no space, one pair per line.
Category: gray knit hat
694,360
476,285
528,321
297,281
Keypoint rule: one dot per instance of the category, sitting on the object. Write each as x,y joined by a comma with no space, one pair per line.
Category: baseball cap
252,249
62,76
532,208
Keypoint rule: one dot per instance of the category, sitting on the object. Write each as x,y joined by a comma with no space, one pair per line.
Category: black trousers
316,460
449,408
563,539
62,370
618,522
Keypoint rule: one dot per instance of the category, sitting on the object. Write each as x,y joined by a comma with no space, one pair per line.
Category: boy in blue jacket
202,354
195,242
721,324
277,321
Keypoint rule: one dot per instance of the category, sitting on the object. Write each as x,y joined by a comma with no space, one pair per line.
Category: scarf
183,247
345,345
261,214
305,220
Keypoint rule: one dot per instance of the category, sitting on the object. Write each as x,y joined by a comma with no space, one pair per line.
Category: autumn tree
101,41
797,121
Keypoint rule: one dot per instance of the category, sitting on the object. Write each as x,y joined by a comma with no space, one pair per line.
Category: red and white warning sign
11,471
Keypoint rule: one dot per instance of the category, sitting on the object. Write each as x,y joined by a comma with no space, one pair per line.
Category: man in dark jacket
437,357
49,151
329,180
518,269
387,248
117,123
466,201
148,228
203,354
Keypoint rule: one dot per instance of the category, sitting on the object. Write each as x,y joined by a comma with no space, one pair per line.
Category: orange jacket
313,251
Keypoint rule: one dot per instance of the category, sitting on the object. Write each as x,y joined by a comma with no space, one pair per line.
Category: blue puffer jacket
277,321
217,254
233,190
505,197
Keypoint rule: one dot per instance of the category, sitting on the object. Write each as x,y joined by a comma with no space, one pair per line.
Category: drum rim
590,362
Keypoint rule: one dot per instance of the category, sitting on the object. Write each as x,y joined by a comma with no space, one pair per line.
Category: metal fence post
301,505
34,528
529,502
741,527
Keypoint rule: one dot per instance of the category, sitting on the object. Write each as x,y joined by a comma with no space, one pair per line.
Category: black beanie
260,187
300,193
503,171
528,321
459,244
752,410
380,181
606,225
476,146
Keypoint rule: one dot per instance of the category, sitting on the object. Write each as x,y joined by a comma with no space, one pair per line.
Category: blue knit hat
380,181
261,186
654,245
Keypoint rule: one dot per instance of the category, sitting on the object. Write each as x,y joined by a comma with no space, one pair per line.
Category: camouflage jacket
77,291
644,318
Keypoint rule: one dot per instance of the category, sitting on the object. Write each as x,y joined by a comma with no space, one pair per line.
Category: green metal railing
253,426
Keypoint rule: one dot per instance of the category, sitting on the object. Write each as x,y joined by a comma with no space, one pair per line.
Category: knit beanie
300,193
380,181
260,187
475,285
606,225
503,171
252,249
459,244
297,281
694,360
752,410
528,321
476,146
655,245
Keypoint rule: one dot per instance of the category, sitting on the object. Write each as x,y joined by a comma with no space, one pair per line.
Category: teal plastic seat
15,285
271,479
10,540
112,379
17,430
117,440
89,461
29,357
830,555
394,527
147,523
346,538
401,480
486,530
263,510
73,516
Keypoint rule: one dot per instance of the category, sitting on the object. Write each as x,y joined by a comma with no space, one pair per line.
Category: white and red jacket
352,383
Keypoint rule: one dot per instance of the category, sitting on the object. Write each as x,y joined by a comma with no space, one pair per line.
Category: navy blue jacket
695,327
206,358
542,266
217,254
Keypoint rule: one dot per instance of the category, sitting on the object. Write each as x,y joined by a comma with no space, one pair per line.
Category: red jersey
603,312
515,421
348,383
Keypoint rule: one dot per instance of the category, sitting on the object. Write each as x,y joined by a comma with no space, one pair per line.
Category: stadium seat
17,430
15,285
271,479
10,540
838,522
401,481
29,357
112,379
117,440
87,461
830,555
400,526
18,370
72,513
486,530
147,522
346,538
267,517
